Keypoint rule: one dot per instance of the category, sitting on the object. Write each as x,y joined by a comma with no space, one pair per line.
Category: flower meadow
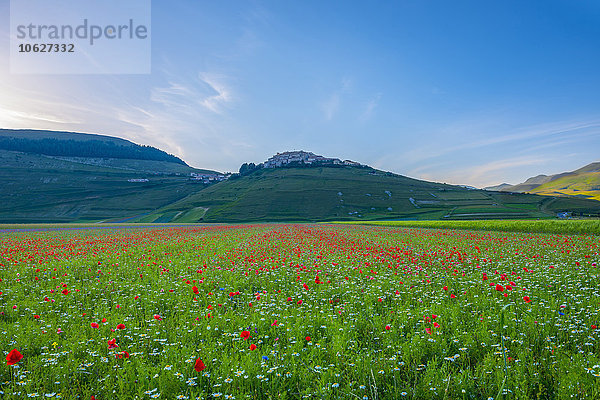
298,311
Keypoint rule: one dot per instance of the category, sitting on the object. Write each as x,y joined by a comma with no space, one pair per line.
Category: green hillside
37,188
347,193
74,179
583,183
72,144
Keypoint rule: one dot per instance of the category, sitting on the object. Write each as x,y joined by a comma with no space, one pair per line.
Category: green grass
401,313
567,227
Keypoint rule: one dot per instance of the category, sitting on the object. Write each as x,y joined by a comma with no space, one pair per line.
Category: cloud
479,175
479,135
369,108
331,106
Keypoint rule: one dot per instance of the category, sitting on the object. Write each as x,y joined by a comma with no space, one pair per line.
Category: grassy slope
43,189
586,185
571,227
322,194
583,183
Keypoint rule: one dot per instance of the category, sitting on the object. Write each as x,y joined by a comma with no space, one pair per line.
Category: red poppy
95,325
499,287
199,366
308,338
252,347
121,326
299,302
125,354
594,326
36,316
526,299
387,327
157,317
195,290
289,299
65,291
245,335
103,320
112,344
13,357
436,325
452,296
445,288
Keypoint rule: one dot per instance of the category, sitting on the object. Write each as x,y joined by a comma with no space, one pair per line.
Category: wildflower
387,327
526,299
112,344
199,366
499,287
95,325
245,335
308,338
13,357
121,326
157,317
195,290
252,347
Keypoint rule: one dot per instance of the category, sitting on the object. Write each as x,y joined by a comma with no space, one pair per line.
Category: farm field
299,311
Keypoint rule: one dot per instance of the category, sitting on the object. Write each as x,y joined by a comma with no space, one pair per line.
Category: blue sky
464,92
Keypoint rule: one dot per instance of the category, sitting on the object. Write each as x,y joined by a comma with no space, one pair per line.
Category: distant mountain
499,187
582,183
298,192
51,176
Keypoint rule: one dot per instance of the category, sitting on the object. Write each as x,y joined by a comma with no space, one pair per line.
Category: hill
350,193
583,183
71,144
498,187
72,186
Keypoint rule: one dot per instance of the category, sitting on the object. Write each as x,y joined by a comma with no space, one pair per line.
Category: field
572,227
299,311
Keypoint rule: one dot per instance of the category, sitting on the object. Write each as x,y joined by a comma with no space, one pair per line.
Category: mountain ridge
583,182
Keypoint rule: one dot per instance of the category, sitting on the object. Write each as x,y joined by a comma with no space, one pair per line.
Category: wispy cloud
331,106
369,108
480,175
482,135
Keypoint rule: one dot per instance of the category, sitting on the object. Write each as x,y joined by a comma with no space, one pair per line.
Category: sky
463,92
